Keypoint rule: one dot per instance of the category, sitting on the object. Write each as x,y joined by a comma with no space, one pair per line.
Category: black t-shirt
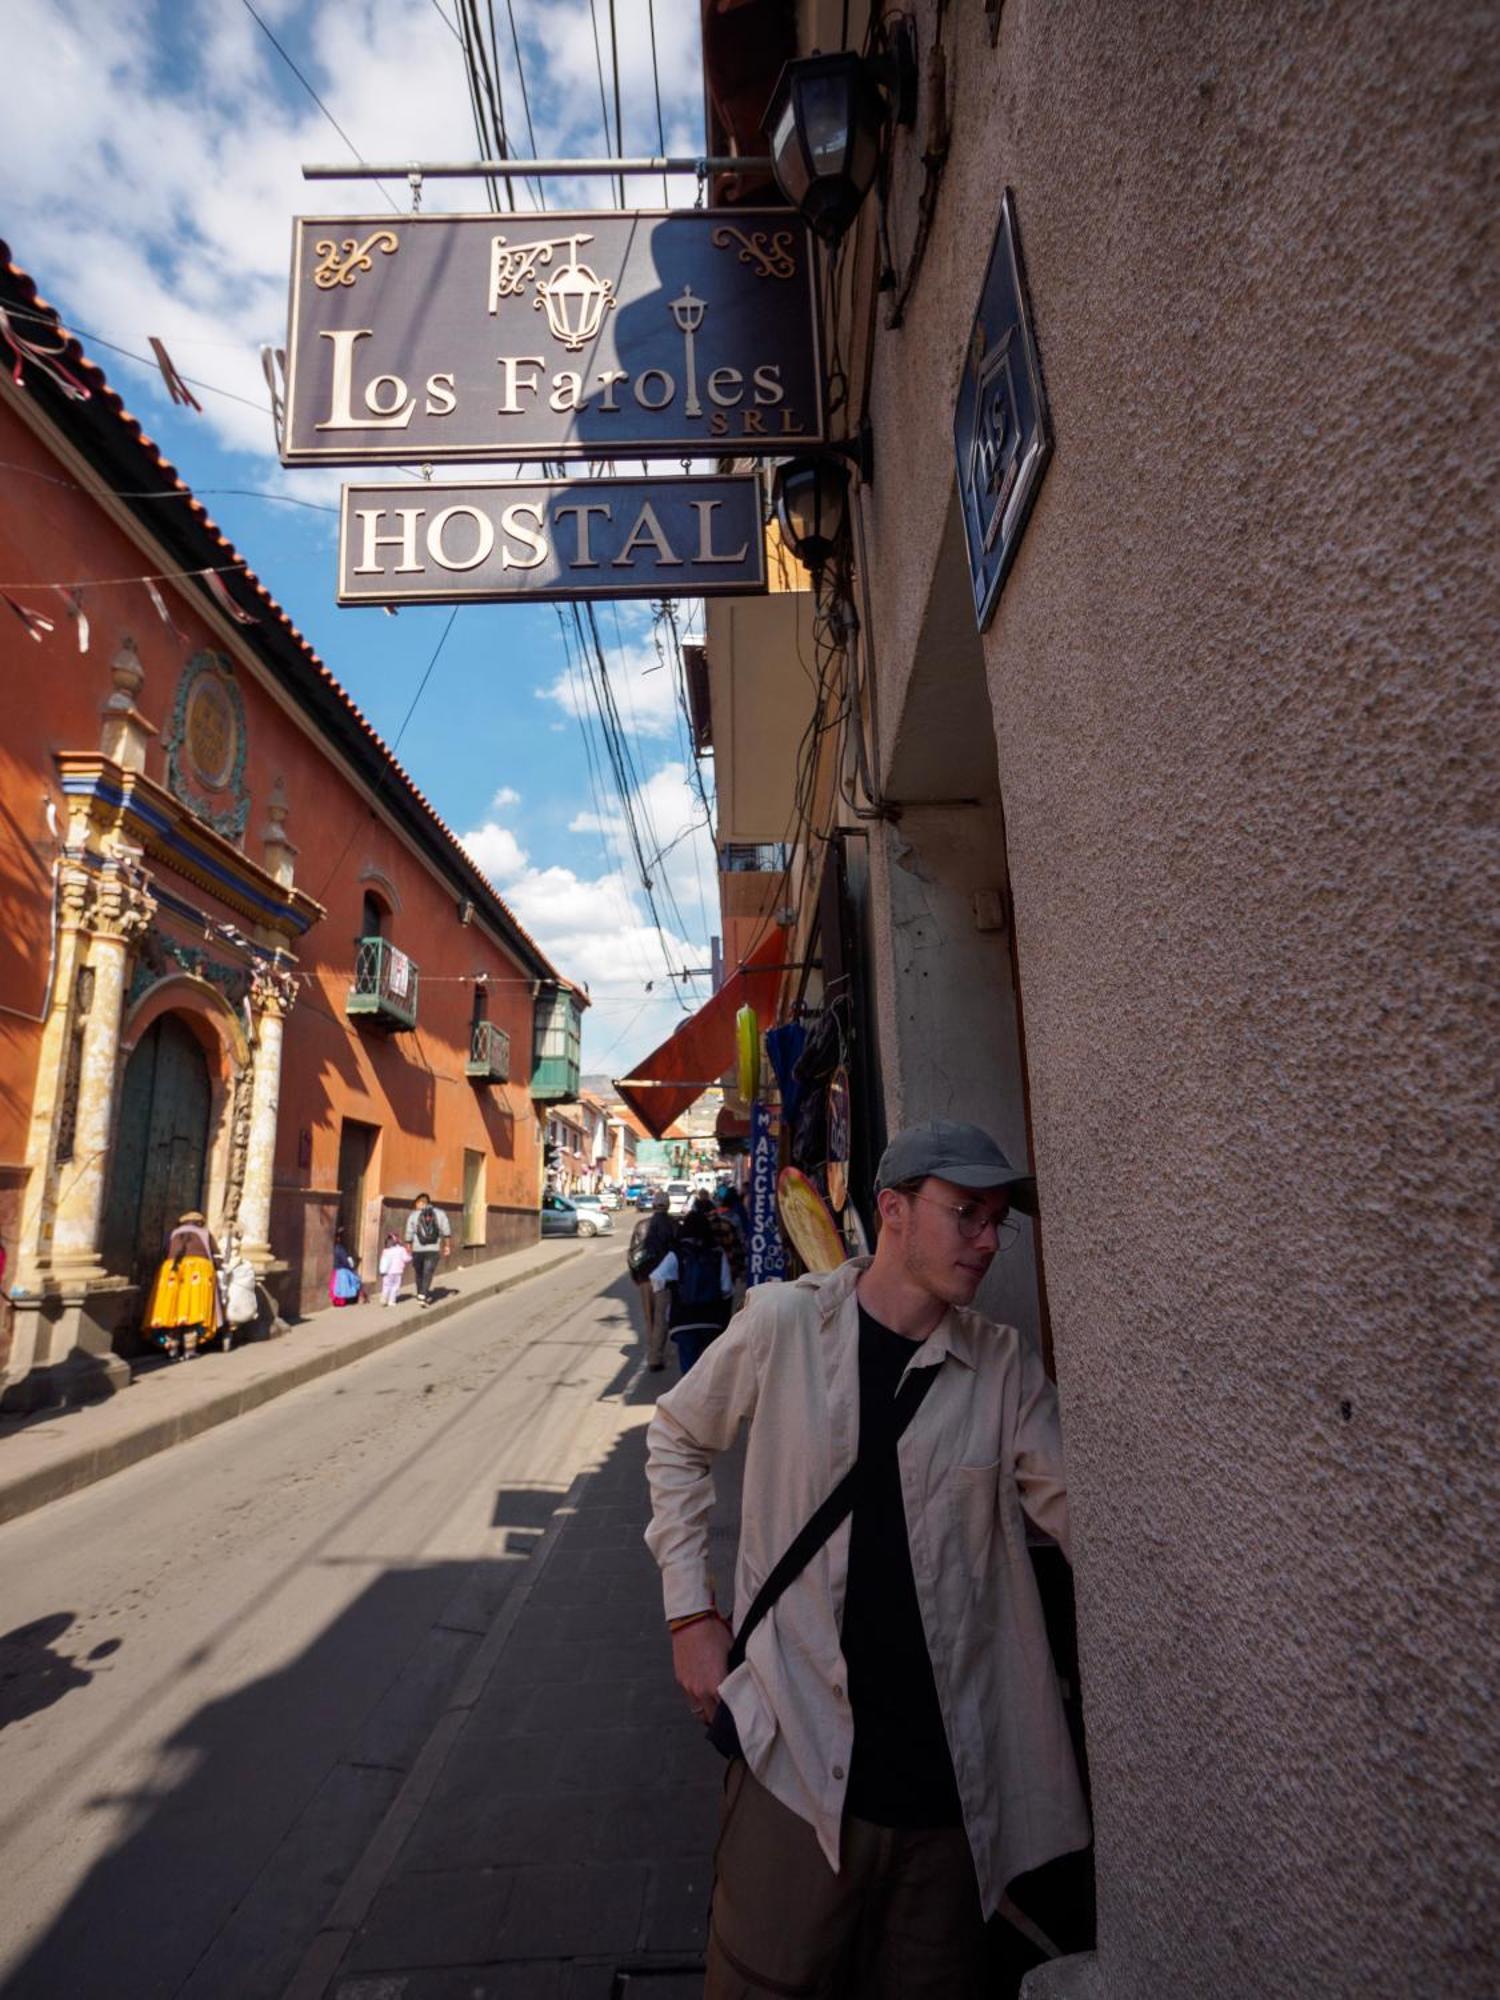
902,1772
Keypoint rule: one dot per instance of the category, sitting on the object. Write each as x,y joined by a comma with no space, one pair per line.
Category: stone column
272,991
122,910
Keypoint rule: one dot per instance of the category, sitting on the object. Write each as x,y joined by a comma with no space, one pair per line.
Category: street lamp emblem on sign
576,298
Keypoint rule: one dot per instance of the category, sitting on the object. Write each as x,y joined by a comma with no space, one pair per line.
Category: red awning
694,1058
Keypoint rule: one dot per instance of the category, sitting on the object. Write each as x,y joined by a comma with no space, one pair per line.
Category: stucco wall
1239,680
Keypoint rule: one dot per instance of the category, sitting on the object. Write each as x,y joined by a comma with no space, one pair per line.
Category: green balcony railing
385,985
557,1033
489,1053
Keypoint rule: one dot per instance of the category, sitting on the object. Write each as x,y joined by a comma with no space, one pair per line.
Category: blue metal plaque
1002,438
543,539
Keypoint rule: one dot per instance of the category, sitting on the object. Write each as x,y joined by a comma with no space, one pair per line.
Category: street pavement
560,1845
365,1693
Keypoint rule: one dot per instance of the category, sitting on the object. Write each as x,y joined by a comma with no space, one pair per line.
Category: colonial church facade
245,967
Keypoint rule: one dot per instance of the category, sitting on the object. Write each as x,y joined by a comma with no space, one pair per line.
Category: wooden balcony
556,1036
384,992
489,1053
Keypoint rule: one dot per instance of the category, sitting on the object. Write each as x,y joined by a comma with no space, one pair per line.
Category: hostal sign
551,337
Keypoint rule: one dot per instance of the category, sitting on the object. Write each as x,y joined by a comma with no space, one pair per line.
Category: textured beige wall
1241,680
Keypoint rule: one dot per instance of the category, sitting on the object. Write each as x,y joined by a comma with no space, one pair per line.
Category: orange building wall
412,1086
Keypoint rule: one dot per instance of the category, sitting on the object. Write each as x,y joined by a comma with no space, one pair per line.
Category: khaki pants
899,1921
654,1310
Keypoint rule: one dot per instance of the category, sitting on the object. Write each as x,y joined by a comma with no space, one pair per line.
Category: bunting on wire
162,612
47,359
35,625
220,595
73,604
177,389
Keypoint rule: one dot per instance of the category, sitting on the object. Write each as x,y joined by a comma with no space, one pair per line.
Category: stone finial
125,733
280,854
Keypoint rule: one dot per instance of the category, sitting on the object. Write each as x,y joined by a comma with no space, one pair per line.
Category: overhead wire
296,72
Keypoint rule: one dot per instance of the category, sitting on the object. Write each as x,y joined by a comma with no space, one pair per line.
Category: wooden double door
160,1159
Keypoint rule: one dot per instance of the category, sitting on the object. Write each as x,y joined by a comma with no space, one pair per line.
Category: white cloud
506,796
497,851
599,930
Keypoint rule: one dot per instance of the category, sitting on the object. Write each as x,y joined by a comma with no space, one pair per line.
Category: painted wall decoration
206,745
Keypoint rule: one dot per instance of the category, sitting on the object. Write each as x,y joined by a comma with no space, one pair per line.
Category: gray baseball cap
954,1152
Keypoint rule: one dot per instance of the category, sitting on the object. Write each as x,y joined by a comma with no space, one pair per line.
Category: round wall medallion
212,733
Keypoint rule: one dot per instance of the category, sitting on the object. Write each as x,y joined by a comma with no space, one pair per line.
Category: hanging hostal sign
552,538
551,336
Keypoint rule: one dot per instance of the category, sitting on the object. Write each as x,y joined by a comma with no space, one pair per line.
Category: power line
393,748
311,93
603,105
661,130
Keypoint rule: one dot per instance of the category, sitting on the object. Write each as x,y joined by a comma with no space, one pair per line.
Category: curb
45,1483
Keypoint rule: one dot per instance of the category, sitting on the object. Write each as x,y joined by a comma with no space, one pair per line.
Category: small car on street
559,1216
594,1219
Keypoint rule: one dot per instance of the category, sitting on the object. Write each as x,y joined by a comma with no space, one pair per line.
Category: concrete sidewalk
53,1452
554,1840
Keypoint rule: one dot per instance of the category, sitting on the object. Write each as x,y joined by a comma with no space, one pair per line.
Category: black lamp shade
824,125
810,498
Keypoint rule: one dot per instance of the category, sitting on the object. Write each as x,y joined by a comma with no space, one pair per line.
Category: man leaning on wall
898,1745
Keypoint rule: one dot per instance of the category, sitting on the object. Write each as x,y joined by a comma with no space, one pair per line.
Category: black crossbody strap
834,1509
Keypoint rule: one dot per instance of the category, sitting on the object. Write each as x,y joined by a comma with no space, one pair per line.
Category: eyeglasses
974,1218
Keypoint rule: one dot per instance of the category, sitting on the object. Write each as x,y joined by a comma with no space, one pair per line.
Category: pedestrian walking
898,1743
731,1226
427,1237
694,1276
394,1259
183,1309
653,1236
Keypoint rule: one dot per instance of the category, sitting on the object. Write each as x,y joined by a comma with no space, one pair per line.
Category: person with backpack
653,1236
696,1278
427,1237
899,1747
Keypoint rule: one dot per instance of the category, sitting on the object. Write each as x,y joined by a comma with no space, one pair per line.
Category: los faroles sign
551,336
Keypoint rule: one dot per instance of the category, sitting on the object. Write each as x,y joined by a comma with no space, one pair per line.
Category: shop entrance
161,1146
356,1147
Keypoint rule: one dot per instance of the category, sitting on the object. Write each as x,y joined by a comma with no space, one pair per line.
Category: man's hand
445,1246
700,1660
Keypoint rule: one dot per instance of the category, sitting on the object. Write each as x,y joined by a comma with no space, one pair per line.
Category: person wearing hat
183,1309
899,1747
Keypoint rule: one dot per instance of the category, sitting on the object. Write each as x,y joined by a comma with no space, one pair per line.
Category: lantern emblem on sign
576,300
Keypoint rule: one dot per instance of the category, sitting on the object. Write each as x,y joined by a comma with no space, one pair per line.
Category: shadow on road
260,1805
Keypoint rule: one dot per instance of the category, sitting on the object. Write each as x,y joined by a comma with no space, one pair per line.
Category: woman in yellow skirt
184,1305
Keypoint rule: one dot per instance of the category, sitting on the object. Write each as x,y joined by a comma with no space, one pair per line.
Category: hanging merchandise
784,1046
747,1047
767,1257
805,1218
838,1138
854,1233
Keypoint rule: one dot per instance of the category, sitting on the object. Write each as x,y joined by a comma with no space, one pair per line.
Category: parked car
608,1198
679,1197
560,1217
594,1219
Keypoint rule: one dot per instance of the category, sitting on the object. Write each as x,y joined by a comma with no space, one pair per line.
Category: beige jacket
983,1445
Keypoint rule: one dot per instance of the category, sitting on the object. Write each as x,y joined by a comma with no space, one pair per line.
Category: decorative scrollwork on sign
343,262
771,256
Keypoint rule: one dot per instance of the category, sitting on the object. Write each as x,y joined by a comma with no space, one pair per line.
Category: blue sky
151,157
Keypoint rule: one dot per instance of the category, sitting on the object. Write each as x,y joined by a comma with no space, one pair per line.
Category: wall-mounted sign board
551,336
543,539
1002,436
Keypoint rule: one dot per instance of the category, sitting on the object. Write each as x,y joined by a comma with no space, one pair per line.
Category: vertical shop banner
767,1259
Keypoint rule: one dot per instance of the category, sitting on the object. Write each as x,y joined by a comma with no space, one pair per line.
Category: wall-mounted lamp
810,497
826,121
